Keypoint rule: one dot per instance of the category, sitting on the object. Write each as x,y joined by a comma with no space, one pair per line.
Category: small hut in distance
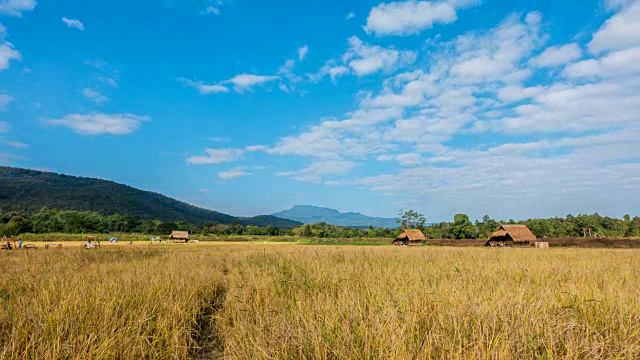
410,237
179,236
511,234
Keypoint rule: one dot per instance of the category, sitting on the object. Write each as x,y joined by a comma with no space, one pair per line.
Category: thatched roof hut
511,234
180,235
410,237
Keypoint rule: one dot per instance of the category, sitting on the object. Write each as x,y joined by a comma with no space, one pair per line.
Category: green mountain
30,190
313,214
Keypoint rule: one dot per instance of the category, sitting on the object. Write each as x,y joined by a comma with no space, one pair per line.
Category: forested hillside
28,191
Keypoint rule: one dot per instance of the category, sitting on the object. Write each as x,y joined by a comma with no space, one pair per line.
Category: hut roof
519,233
179,234
412,235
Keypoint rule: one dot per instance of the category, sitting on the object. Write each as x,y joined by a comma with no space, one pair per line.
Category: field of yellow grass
257,301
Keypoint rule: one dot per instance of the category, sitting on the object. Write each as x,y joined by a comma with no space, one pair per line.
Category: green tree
462,227
411,219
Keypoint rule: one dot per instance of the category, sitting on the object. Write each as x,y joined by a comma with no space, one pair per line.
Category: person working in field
89,245
19,243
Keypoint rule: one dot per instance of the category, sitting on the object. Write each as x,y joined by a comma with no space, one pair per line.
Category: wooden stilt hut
511,235
179,236
410,237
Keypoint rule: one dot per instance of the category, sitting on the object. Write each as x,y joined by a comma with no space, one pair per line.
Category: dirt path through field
210,343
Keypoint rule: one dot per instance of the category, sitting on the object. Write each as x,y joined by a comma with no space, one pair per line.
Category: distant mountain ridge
309,214
30,190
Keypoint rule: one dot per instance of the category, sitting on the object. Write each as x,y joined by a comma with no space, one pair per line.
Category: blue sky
513,109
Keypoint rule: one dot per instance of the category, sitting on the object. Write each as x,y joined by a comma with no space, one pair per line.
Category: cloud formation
365,59
302,52
558,55
204,89
73,23
233,174
619,32
100,123
562,123
411,17
7,50
16,7
216,156
5,100
240,83
243,82
94,96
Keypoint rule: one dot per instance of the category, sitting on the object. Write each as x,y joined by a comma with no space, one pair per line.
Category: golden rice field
269,301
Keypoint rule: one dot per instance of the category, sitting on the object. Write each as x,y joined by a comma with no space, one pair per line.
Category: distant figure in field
19,243
153,240
89,245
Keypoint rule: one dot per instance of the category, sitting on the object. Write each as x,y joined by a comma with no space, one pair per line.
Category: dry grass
320,302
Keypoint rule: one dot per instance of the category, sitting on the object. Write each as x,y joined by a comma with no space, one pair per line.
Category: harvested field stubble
291,302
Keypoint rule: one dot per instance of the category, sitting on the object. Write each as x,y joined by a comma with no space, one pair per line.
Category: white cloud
109,81
330,68
497,55
620,31
5,100
204,89
232,174
210,10
73,23
216,156
94,96
365,59
317,171
16,144
417,85
406,159
618,4
302,52
100,123
576,108
254,148
16,7
410,17
516,93
558,55
481,68
8,53
350,16
286,71
333,139
620,63
244,82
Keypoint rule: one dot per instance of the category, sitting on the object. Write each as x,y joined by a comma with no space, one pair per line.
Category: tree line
583,225
48,220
